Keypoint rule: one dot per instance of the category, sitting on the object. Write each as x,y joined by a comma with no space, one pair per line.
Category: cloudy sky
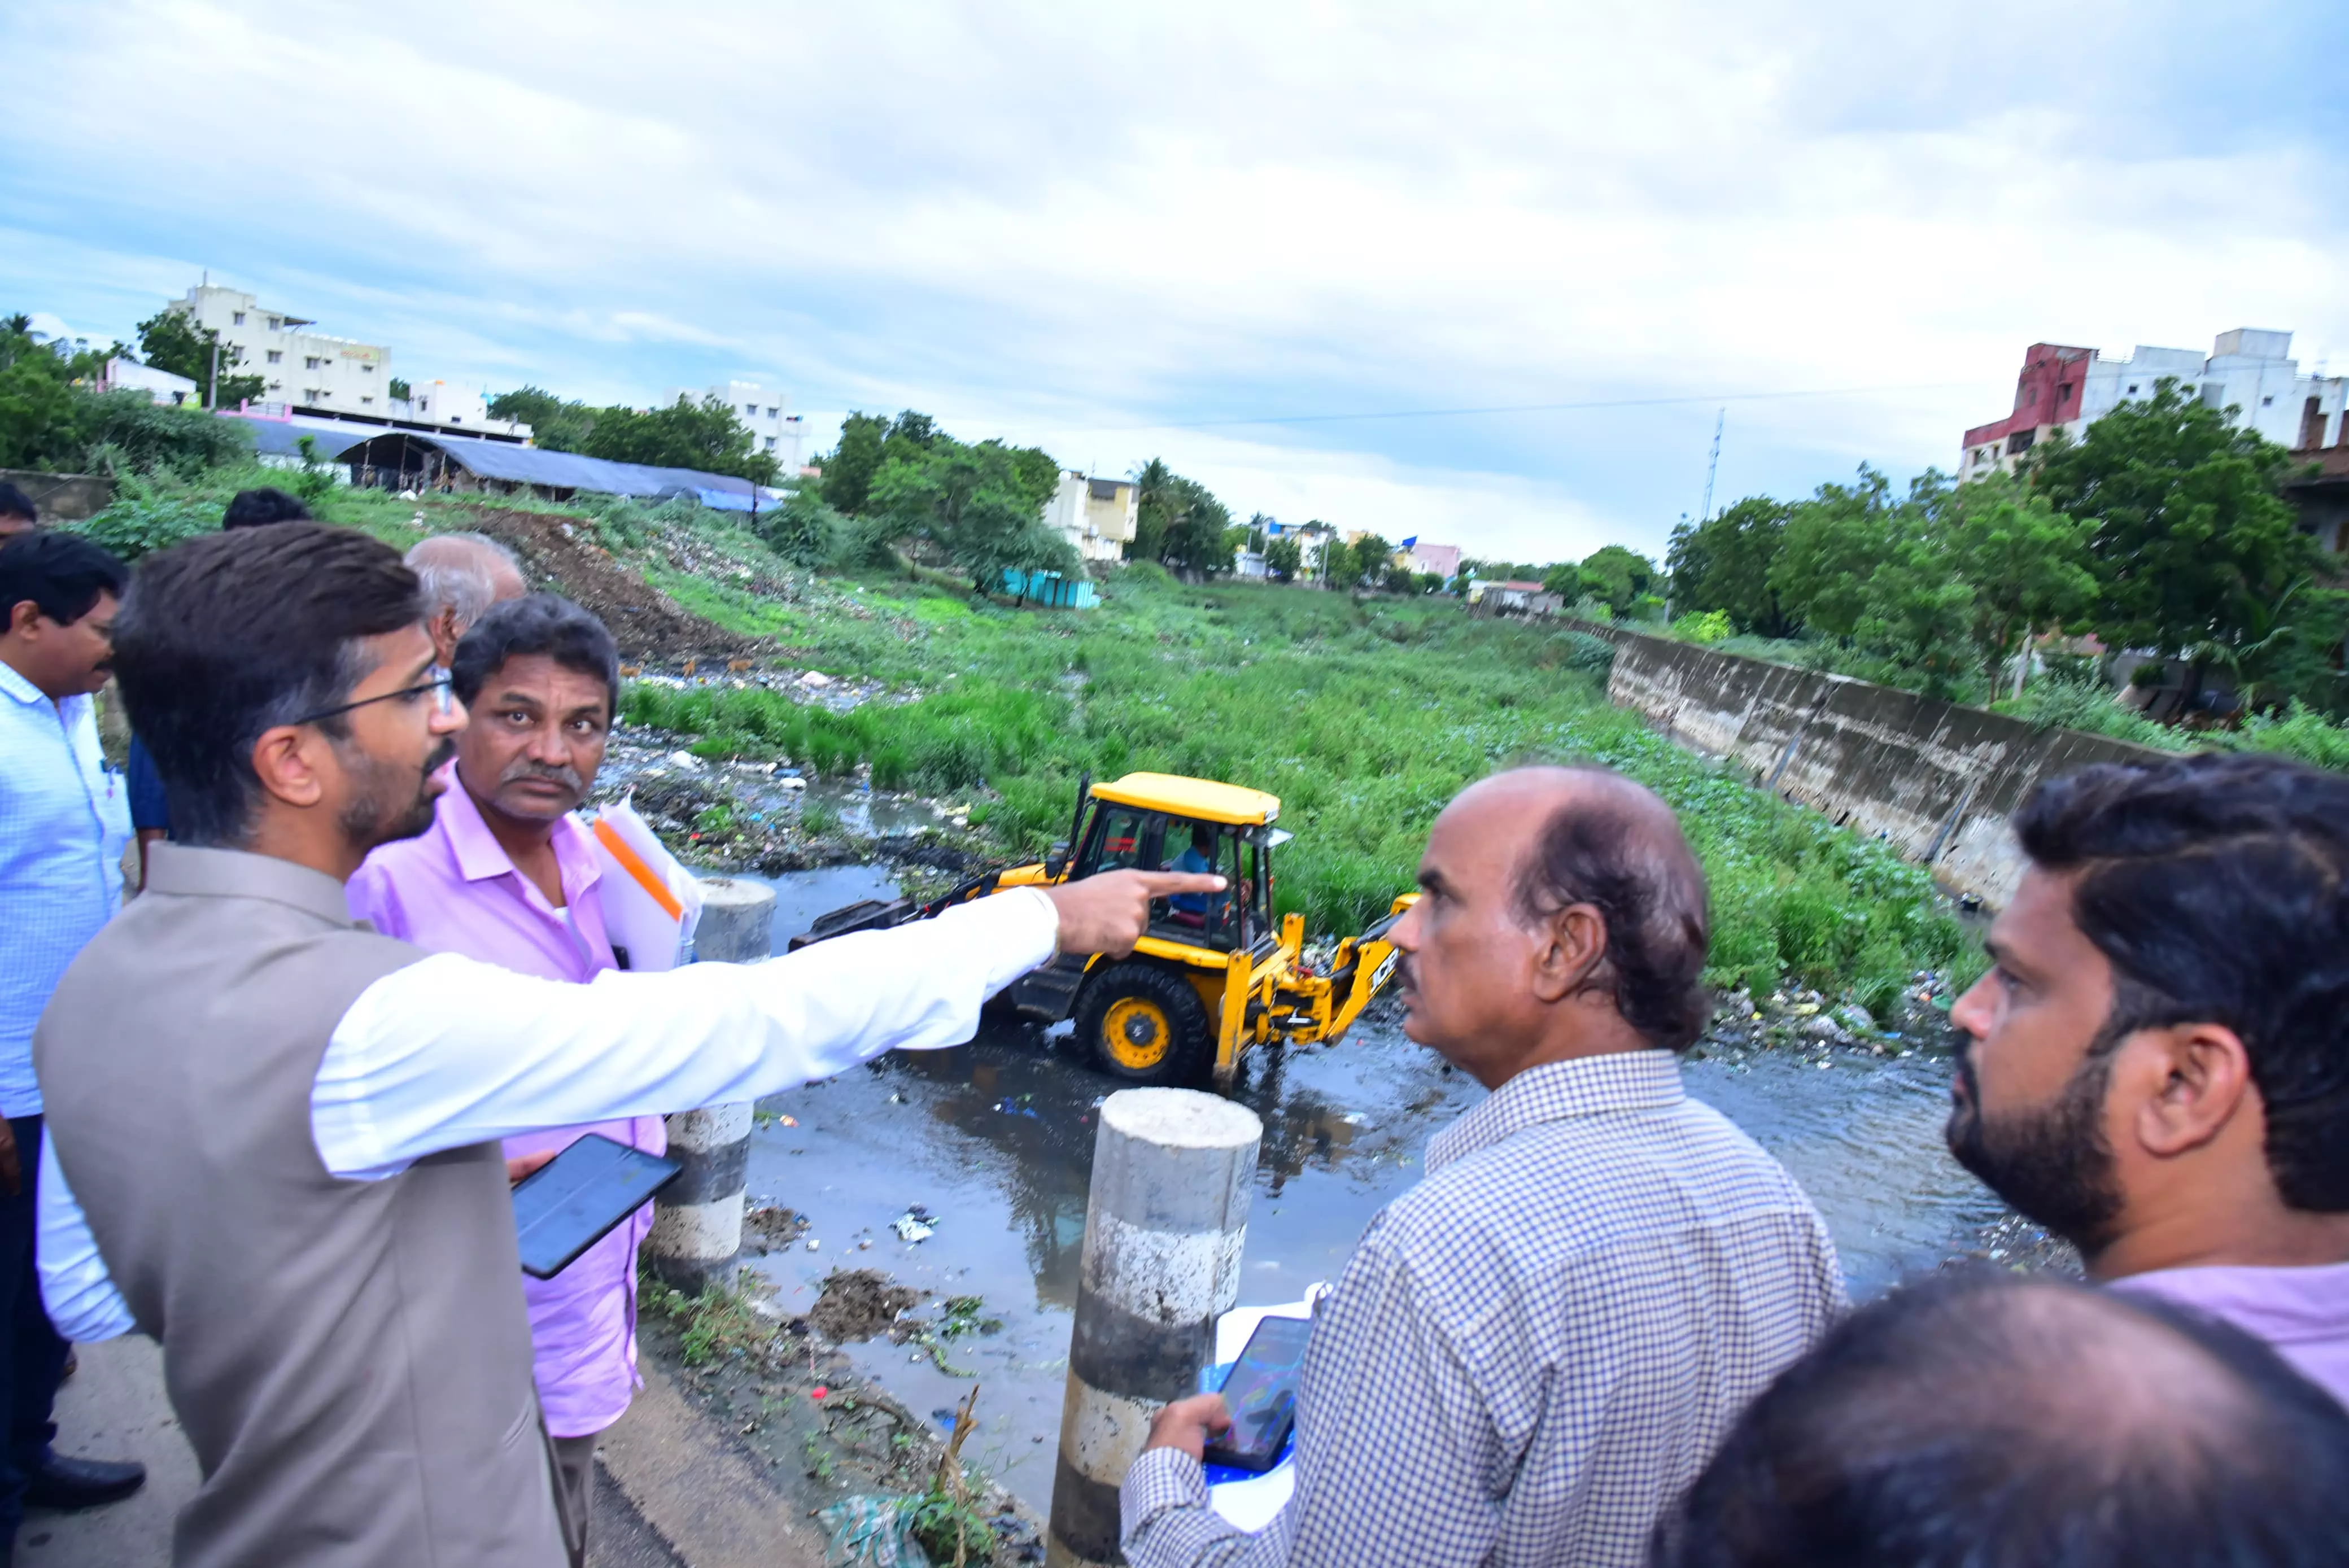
1478,274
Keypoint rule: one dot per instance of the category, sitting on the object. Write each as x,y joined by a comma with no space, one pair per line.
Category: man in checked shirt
1536,1349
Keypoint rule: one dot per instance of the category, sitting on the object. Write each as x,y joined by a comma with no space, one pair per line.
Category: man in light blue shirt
63,819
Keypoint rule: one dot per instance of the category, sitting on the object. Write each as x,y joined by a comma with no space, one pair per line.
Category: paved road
114,1408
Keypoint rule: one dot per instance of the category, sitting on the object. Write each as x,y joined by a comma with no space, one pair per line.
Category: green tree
708,436
1618,577
39,410
402,392
554,423
171,340
2025,563
848,468
1832,545
1178,522
1723,563
2191,534
1283,559
975,505
1369,556
1565,579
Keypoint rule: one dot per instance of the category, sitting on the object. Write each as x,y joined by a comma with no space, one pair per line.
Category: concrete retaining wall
63,498
1936,780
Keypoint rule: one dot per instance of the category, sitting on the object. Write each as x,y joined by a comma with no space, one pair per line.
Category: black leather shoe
68,1484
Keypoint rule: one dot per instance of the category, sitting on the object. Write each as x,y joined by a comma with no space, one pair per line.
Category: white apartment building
774,429
308,370
1097,517
2067,388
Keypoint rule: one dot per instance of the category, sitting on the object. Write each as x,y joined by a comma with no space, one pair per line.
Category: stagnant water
994,1139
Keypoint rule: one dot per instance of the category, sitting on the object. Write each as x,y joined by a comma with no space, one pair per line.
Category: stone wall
63,498
1936,780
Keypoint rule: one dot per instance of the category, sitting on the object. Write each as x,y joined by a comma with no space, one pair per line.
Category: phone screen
574,1200
1261,1393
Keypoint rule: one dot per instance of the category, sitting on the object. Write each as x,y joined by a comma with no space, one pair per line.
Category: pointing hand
1109,913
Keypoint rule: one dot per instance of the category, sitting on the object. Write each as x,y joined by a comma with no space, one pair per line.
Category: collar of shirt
13,681
237,873
480,856
1557,1091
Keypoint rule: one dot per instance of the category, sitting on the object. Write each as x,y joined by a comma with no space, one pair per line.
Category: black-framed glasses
443,700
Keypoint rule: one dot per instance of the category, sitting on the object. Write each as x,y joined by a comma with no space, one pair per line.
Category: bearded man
2158,1062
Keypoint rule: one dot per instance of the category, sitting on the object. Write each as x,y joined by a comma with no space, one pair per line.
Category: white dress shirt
450,1052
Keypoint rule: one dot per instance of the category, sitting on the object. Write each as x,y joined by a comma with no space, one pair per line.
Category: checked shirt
1536,1349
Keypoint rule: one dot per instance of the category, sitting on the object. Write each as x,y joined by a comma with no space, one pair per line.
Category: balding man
461,574
1986,1419
1535,1349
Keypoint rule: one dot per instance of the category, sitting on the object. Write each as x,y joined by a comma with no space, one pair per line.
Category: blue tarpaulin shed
406,459
1051,588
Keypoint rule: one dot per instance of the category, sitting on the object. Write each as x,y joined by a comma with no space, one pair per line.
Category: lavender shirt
453,890
2302,1313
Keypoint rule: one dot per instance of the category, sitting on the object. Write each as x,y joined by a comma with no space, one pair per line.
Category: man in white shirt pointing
274,1136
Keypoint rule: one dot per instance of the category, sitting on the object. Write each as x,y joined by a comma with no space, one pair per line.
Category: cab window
1118,839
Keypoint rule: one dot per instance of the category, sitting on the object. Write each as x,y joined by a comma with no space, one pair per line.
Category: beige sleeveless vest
350,1359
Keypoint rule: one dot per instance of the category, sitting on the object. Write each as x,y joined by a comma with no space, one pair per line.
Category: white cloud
1053,221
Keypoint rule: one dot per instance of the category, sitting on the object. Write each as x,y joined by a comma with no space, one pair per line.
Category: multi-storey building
2067,388
307,370
774,429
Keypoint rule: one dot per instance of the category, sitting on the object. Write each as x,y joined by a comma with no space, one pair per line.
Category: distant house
1513,599
1248,566
161,386
1097,517
1444,560
1312,540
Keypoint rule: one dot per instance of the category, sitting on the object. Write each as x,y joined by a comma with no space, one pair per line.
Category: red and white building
2067,388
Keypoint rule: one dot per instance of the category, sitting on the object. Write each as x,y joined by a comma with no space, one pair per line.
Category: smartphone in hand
1261,1393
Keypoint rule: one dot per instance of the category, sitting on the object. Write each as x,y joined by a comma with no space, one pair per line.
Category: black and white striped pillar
1167,1217
697,1234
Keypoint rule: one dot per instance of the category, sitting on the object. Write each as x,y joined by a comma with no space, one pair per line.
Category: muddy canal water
995,1140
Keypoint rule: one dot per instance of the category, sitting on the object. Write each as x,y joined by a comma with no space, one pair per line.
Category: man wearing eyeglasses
281,1132
506,874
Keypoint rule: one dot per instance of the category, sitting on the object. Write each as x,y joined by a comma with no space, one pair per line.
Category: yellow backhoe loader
1214,975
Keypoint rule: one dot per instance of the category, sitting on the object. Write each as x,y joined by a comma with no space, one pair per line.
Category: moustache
1406,976
439,758
562,774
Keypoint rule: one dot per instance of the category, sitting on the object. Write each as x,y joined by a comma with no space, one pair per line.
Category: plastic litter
913,1226
872,1531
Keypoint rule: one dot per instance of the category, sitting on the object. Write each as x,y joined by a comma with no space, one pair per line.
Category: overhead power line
1521,408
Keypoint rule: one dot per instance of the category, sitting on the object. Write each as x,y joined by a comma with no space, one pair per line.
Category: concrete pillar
697,1234
1172,1173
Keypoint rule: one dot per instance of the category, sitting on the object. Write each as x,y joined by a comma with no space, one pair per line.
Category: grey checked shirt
1536,1348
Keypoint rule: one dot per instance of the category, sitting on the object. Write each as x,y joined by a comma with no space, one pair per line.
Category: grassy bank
1365,719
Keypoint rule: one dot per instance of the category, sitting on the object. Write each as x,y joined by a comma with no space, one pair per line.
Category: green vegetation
707,435
1365,717
52,417
2163,530
721,1321
171,340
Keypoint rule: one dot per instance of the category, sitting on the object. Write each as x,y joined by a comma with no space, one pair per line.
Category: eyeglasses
443,700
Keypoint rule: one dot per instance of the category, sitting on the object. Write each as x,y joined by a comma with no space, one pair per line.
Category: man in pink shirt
2157,1063
507,875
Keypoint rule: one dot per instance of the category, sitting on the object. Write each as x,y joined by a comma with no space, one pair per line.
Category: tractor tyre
1144,1024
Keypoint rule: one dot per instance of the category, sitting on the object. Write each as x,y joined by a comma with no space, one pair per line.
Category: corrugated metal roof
283,438
511,464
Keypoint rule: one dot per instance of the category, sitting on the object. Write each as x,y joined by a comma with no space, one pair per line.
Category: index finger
1157,883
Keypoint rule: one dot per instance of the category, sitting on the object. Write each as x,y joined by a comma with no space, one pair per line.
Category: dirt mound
858,1304
767,1229
647,623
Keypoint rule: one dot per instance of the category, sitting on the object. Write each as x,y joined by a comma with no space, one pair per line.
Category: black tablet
575,1199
